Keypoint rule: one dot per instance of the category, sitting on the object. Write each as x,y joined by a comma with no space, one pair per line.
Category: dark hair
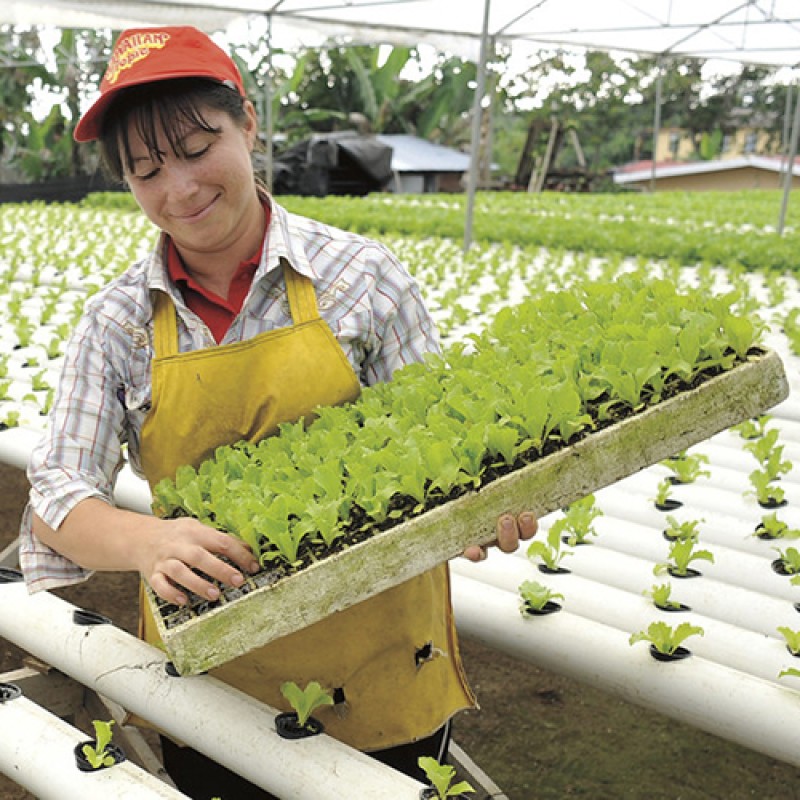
167,106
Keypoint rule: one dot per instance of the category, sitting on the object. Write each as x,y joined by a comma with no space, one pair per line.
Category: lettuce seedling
753,428
791,672
682,553
660,595
771,527
792,638
687,468
305,701
665,638
97,755
536,596
682,531
770,454
767,494
741,332
790,558
11,420
441,777
663,492
550,552
577,523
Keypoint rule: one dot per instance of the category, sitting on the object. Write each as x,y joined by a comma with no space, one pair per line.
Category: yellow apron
394,658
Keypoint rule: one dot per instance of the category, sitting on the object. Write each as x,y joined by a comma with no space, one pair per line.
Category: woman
217,336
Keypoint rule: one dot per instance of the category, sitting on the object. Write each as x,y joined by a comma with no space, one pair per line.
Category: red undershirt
217,312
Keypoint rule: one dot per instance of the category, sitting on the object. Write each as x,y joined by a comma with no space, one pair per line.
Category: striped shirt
368,298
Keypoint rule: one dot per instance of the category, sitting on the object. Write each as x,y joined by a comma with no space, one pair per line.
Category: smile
198,214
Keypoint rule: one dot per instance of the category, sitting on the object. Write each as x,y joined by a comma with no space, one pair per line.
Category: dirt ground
539,735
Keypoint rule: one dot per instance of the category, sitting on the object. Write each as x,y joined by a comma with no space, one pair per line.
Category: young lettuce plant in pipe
665,641
687,468
298,723
753,428
788,563
792,639
660,595
100,752
770,454
767,494
681,554
577,525
549,553
441,778
771,527
538,599
663,500
681,531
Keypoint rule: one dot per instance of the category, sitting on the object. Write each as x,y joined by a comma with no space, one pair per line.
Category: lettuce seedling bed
277,601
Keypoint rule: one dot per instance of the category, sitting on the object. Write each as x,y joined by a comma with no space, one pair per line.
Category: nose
183,182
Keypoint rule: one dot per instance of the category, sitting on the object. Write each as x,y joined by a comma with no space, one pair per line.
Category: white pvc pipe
200,711
749,609
16,445
710,696
710,498
647,541
761,654
36,751
131,492
731,568
15,449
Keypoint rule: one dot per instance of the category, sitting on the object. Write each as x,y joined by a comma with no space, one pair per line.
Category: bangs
170,111
172,117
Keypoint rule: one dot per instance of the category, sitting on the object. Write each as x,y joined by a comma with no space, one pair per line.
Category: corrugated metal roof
643,170
412,154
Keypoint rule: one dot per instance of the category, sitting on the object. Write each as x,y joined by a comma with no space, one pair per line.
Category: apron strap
301,295
299,291
165,325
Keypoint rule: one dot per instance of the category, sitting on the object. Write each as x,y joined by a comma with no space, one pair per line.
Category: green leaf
665,638
306,701
441,777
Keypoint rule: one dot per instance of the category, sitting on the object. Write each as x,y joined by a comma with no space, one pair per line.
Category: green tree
364,87
17,78
42,148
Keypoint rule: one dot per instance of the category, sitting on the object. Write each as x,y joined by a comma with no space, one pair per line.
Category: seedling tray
268,607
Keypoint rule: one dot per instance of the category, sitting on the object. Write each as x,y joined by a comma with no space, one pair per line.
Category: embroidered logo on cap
131,50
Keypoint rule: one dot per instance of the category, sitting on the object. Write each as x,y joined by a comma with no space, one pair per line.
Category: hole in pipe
8,575
9,691
82,616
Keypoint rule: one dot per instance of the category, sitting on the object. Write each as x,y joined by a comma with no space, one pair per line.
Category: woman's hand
166,553
186,546
510,532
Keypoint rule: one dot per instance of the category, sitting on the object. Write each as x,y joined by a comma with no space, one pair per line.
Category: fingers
528,525
475,553
188,556
511,530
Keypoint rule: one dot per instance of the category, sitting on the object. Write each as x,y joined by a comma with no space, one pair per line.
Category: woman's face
204,194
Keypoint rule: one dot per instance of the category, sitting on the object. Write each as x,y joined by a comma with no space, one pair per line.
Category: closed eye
196,154
147,175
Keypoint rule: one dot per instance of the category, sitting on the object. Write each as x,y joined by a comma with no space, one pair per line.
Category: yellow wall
725,181
736,145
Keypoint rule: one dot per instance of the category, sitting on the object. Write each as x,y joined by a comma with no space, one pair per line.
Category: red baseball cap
145,55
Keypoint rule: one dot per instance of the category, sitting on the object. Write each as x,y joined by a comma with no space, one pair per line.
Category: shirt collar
278,245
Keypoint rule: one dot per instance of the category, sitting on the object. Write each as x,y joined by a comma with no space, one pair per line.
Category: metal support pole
789,176
268,120
477,108
656,124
